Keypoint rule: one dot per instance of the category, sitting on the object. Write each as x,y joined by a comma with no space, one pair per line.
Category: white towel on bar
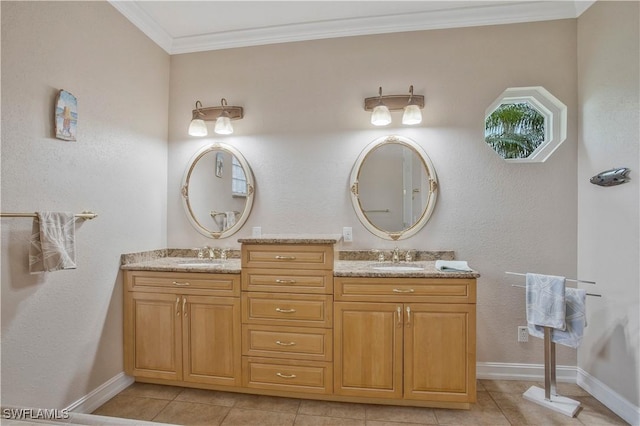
231,219
52,246
452,266
545,298
576,320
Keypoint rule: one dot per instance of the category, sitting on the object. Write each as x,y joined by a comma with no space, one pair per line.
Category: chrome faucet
395,255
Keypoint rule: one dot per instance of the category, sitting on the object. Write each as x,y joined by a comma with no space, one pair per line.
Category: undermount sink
397,267
200,262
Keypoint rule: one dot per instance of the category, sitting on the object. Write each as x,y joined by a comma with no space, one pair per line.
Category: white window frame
553,111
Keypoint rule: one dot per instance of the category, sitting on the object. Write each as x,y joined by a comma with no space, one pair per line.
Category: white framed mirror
217,190
393,187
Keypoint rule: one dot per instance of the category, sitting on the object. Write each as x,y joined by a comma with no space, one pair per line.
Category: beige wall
304,127
62,331
609,218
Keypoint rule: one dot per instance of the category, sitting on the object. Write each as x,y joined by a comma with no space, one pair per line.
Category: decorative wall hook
612,177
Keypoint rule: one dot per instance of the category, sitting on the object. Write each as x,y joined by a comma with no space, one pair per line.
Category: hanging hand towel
52,245
576,319
452,266
231,219
545,302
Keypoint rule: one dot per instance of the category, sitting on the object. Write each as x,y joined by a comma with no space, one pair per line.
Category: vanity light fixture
412,113
380,107
380,115
197,127
222,115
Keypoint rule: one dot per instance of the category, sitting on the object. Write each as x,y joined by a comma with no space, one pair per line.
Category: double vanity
294,317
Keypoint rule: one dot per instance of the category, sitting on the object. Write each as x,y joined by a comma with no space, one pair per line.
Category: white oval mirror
393,187
217,190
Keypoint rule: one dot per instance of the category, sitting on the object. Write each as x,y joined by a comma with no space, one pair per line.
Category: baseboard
533,372
614,401
101,394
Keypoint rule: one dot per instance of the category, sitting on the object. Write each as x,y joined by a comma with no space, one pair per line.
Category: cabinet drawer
184,283
305,310
287,375
434,290
287,281
287,342
288,256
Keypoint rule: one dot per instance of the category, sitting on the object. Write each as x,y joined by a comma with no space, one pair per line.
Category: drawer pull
278,257
403,290
279,281
285,311
286,376
184,284
278,342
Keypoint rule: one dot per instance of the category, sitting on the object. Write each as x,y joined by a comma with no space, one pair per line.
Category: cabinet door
440,346
153,335
368,349
211,340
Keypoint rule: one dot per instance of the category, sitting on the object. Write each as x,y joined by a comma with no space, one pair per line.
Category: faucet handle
380,254
223,253
407,256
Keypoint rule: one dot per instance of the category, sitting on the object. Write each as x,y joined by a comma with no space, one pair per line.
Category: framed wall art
66,116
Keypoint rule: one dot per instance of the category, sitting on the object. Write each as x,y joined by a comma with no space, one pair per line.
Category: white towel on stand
576,320
545,298
52,246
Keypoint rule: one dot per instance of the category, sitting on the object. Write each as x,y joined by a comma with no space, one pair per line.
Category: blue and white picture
66,116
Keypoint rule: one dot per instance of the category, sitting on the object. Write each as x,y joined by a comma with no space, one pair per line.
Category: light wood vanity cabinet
405,338
286,326
183,327
287,317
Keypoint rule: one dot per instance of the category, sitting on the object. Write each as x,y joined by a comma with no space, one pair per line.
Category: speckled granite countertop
359,268
173,260
177,264
183,260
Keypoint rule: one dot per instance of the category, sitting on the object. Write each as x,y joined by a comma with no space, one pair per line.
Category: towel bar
548,397
84,215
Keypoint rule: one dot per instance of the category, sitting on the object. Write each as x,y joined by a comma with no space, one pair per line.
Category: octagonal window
525,124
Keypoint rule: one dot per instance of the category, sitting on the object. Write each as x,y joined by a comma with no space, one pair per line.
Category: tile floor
500,402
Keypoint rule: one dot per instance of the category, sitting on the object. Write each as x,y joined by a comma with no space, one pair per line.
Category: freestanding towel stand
548,397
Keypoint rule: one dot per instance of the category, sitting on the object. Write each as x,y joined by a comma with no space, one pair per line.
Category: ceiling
195,26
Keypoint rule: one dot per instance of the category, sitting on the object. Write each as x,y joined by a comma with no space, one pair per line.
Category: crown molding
494,14
144,22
